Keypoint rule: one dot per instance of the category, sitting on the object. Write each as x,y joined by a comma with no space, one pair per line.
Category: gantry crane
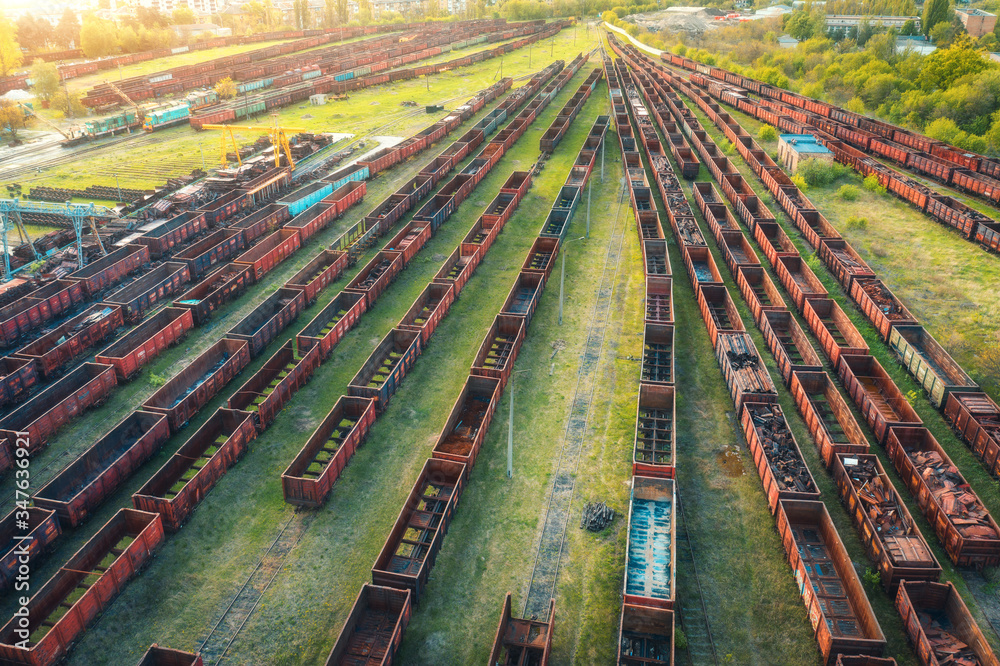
277,134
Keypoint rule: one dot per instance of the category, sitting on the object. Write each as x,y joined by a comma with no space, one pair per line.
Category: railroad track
693,615
234,618
551,543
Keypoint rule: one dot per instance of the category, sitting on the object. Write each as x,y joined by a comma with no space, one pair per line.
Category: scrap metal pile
948,648
951,491
790,471
596,516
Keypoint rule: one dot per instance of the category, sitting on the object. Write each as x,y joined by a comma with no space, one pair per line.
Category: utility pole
562,276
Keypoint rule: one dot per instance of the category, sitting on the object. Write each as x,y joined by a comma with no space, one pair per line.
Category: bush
819,173
800,182
856,222
729,148
848,193
872,185
157,380
871,579
767,133
680,639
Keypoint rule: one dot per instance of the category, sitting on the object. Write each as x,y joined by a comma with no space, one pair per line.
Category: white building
198,6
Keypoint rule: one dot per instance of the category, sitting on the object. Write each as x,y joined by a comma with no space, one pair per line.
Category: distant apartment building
977,22
408,7
198,6
851,20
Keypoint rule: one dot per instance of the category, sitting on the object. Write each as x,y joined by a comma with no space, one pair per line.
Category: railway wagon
701,267
651,549
719,312
799,280
645,636
385,368
976,418
312,220
428,310
57,297
147,341
498,353
56,350
827,416
658,303
37,420
345,196
929,363
774,242
265,322
386,214
347,174
844,262
262,221
111,269
226,284
182,483
374,628
746,377
162,238
161,656
880,306
655,259
436,211
467,424
459,267
216,248
83,486
310,477
877,397
221,209
267,392
657,354
654,452
17,377
963,525
322,271
776,455
43,528
840,613
458,188
305,197
142,295
886,529
520,641
58,613
482,235
376,276
518,184
191,388
542,257
789,344
270,251
22,316
759,291
410,239
332,323
835,332
415,539
498,213
936,620
737,251
522,300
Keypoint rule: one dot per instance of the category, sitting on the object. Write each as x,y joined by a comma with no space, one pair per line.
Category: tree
343,12
151,18
45,78
944,66
935,11
97,37
37,32
184,16
67,33
909,28
11,119
128,39
329,13
10,51
226,88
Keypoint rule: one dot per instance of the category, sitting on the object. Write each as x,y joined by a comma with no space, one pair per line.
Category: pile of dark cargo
952,492
948,648
596,516
790,471
881,503
742,360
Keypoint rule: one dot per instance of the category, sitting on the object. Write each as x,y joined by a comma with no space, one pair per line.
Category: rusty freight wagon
880,306
268,319
383,372
318,274
774,242
88,385
877,397
214,249
182,483
801,283
655,258
645,636
481,235
90,479
651,550
376,276
17,377
840,613
332,323
963,525
161,656
890,537
470,418
747,378
658,354
436,211
262,221
789,344
522,300
42,529
701,267
542,257
521,641
415,539
82,589
312,220
309,478
459,267
270,388
270,251
827,416
409,240
346,195
659,305
373,629
56,297
498,353
161,238
776,454
147,341
759,291
940,626
111,269
143,294
736,251
56,350
428,310
226,284
929,363
654,452
200,380
834,330
719,312
976,418
844,262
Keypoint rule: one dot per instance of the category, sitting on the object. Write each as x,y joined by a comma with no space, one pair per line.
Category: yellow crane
277,134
